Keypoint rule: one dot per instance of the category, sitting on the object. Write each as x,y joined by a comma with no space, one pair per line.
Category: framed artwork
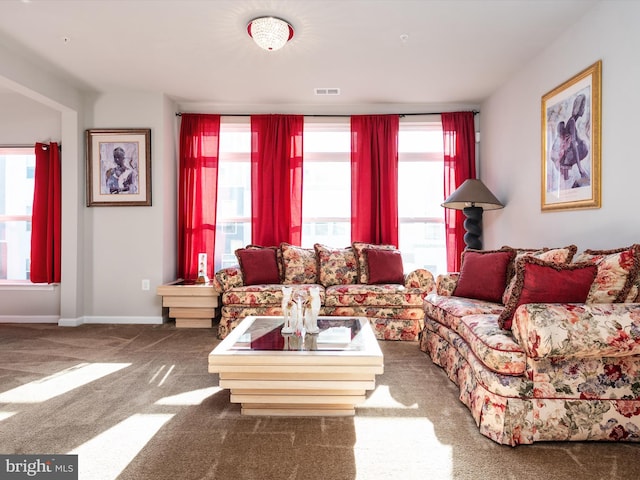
118,167
571,142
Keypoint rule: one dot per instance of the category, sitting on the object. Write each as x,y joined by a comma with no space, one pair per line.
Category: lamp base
473,227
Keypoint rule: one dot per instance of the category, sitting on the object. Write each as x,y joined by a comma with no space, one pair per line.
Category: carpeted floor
137,402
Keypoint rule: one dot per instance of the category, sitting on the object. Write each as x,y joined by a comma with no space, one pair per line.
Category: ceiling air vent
327,91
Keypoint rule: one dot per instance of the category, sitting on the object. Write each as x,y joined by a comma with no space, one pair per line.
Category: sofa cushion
495,348
264,295
617,272
384,295
385,266
483,275
336,266
538,281
361,258
448,310
258,265
555,255
299,264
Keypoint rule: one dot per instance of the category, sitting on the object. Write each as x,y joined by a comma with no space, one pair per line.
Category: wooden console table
192,305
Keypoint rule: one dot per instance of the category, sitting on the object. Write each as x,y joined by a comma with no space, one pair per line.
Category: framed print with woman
118,167
571,142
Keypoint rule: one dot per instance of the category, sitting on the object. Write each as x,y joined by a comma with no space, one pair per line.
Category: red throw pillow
258,265
385,266
538,281
483,275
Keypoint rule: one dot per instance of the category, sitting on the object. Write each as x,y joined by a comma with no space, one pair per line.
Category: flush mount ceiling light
270,33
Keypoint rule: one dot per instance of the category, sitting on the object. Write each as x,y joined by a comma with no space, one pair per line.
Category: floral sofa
552,352
360,280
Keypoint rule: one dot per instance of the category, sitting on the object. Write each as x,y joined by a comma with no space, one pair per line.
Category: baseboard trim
124,320
76,322
29,318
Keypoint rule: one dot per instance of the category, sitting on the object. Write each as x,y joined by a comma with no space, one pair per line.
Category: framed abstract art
571,126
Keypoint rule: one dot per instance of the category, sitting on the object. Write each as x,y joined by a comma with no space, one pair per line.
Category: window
233,217
17,166
420,195
326,208
326,184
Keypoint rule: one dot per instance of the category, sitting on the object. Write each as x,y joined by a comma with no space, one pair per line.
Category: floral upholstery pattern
449,310
299,264
373,295
521,419
446,284
336,266
260,295
395,311
582,330
564,372
617,272
420,278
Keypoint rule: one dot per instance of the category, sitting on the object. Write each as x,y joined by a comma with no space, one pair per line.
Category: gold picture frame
571,131
118,167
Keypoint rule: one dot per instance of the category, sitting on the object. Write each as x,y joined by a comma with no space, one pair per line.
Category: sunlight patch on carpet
60,383
381,398
5,415
406,448
105,456
194,397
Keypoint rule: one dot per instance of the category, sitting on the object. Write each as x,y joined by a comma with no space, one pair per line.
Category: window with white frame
326,197
17,168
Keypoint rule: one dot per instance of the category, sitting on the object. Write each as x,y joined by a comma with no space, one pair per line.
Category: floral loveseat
553,356
359,280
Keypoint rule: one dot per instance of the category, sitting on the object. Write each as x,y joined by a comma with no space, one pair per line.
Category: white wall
124,245
511,139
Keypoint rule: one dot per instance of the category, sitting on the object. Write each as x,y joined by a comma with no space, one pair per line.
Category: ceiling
198,52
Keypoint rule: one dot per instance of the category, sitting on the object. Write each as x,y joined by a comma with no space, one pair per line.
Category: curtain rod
475,112
31,145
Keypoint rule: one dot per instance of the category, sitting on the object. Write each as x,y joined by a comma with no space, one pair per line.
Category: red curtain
276,179
46,215
374,178
197,192
459,165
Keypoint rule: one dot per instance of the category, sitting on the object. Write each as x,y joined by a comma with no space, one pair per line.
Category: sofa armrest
420,278
228,278
446,283
578,330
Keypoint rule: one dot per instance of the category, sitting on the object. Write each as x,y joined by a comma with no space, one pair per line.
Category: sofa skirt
388,323
503,412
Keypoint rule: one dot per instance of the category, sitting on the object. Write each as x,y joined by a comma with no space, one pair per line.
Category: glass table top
336,333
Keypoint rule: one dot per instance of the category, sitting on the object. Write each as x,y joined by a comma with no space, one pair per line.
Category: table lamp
472,197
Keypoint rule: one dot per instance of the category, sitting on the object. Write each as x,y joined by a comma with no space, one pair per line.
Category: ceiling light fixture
270,33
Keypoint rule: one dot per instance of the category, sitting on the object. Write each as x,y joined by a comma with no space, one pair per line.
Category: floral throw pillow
617,272
299,264
336,266
361,258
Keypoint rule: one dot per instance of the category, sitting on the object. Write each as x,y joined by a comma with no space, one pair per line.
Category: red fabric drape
46,216
374,178
459,165
197,192
276,179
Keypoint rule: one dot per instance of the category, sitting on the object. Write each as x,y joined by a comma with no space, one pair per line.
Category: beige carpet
137,402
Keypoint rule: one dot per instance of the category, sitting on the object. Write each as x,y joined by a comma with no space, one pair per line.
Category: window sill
17,285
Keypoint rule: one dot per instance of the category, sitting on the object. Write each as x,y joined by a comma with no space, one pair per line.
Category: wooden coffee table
325,374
